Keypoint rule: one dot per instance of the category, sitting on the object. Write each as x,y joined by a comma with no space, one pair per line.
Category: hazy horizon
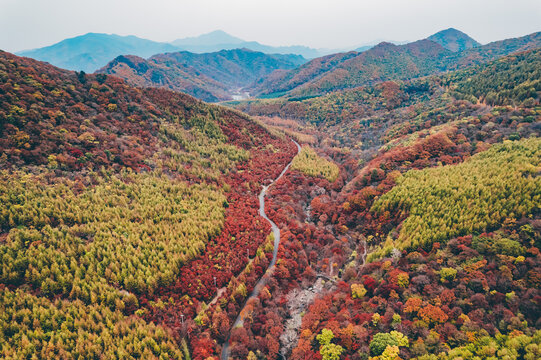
28,24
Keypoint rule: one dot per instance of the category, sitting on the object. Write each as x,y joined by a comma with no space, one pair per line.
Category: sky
27,24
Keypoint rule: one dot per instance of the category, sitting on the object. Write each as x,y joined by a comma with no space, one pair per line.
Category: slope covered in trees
427,159
445,294
210,76
385,62
76,121
475,196
310,163
115,199
133,230
511,80
34,326
409,223
454,40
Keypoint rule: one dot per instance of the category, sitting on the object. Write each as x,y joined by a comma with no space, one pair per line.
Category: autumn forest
375,205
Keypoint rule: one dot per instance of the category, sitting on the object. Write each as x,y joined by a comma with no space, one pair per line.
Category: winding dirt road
261,283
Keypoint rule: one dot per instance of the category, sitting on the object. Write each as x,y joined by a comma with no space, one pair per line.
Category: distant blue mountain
220,40
92,51
212,38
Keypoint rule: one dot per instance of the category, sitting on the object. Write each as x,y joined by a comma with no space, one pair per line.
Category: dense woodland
209,77
310,163
427,244
384,62
114,200
409,220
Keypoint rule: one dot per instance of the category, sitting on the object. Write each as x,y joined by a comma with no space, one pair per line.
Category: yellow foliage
72,327
310,163
455,200
357,291
131,231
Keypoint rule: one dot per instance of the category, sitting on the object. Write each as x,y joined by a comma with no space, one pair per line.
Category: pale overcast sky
26,24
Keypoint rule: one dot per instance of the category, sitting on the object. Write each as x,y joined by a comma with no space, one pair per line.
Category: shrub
357,291
447,274
328,350
381,341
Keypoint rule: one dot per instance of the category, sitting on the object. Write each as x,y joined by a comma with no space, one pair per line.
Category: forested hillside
426,245
210,76
511,80
110,196
139,222
385,62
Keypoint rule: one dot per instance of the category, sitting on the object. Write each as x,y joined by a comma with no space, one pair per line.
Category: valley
236,204
210,76
268,273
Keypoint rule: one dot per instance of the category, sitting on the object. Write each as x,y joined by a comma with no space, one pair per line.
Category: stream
261,283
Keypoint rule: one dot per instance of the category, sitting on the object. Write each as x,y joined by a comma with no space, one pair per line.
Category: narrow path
261,283
220,293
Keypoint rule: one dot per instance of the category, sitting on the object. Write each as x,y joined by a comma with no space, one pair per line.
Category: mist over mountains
218,66
220,40
92,51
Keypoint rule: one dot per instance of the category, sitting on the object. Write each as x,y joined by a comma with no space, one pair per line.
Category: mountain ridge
385,61
211,38
208,76
356,68
91,51
220,40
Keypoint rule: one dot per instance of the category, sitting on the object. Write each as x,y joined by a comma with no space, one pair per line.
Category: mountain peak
454,40
91,51
450,30
384,45
215,37
218,33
